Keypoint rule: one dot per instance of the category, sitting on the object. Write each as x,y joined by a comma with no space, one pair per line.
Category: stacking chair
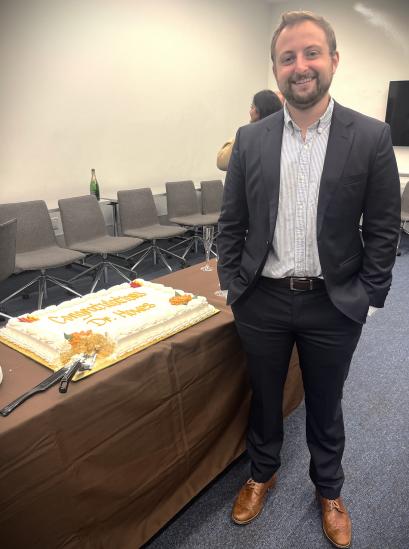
139,218
8,232
212,196
36,247
404,214
183,209
85,230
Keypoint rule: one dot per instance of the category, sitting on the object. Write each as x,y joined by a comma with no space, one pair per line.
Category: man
294,262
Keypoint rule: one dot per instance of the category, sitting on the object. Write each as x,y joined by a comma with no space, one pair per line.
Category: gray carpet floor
376,459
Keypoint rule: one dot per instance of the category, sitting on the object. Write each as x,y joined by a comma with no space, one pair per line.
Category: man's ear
335,61
274,71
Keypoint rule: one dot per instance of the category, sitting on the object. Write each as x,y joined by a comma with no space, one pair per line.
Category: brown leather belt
296,283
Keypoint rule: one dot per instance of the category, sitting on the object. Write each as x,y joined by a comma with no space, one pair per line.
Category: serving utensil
84,362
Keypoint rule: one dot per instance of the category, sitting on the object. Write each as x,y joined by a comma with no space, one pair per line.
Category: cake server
84,362
43,386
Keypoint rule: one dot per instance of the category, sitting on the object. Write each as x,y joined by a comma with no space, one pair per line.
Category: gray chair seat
196,220
157,231
52,256
85,230
183,209
37,248
106,244
139,218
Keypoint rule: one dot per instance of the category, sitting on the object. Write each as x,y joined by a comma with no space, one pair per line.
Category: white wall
144,91
372,38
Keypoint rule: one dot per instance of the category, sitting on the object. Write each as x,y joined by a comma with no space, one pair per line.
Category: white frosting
130,317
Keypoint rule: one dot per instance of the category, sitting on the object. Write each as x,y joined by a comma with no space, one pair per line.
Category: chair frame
43,278
405,204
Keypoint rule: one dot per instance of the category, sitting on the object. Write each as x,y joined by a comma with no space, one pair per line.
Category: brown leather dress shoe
336,522
250,500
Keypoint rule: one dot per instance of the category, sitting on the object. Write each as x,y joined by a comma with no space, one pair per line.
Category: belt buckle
300,279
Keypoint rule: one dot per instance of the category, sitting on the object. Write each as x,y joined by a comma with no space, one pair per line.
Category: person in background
296,267
264,103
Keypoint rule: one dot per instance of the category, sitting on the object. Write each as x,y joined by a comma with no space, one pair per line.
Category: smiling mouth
303,81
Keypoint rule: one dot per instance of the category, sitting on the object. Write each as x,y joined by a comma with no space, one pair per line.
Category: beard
303,101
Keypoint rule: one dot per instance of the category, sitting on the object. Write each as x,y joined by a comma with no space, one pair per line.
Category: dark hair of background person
291,18
266,103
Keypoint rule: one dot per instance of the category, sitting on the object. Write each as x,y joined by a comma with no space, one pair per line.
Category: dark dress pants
269,321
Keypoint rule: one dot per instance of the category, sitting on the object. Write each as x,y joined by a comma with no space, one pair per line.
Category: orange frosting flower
27,318
180,299
135,284
87,342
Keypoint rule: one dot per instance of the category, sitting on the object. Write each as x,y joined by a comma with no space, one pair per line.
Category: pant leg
326,340
262,321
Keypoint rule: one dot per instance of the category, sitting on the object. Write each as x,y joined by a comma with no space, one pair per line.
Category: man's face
303,64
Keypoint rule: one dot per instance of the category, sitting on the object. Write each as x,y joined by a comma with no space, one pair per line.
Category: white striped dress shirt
294,249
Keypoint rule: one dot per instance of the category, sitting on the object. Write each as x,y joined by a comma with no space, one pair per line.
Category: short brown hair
290,18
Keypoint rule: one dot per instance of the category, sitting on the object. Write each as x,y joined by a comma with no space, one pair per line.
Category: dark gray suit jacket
359,177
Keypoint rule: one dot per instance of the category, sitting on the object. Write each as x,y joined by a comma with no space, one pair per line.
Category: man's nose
301,64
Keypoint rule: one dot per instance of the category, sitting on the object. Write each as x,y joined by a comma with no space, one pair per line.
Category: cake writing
100,321
86,312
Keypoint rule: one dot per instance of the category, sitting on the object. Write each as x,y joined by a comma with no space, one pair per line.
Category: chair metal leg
41,291
399,239
20,290
166,251
97,277
84,273
145,254
164,261
115,268
62,284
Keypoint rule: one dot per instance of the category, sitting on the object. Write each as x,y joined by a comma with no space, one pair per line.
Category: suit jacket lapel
339,144
270,163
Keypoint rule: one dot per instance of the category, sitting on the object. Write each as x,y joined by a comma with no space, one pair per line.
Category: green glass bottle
93,186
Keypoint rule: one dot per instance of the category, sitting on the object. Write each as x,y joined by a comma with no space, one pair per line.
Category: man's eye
287,59
313,53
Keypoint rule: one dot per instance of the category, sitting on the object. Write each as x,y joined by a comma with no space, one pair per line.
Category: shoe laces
334,504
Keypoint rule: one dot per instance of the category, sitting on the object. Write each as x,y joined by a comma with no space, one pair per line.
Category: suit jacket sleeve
233,221
381,221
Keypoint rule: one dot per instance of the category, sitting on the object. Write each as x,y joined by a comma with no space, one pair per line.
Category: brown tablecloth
106,465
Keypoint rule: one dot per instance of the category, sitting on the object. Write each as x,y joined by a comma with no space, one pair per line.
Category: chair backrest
136,209
8,233
405,200
181,198
34,228
82,219
212,196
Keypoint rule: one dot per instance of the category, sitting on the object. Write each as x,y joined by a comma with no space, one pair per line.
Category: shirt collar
319,125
